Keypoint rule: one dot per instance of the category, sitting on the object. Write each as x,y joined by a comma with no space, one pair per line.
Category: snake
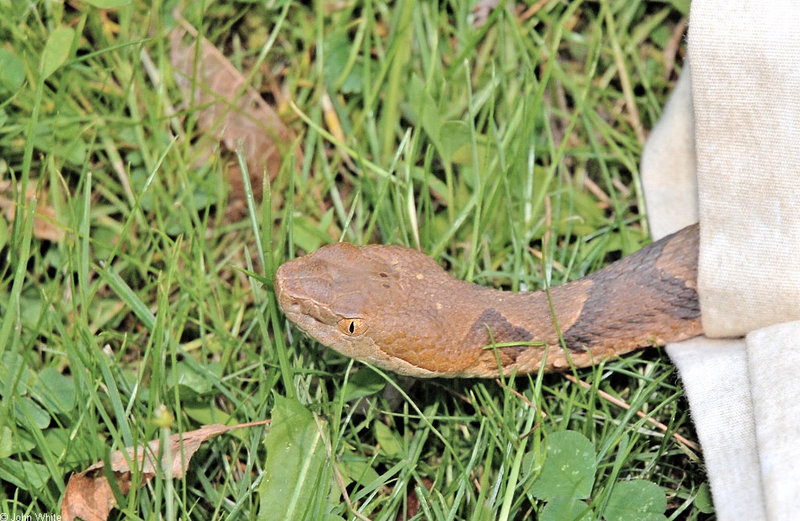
399,310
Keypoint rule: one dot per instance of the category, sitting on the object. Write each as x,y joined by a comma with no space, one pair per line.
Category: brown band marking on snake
396,308
492,328
651,292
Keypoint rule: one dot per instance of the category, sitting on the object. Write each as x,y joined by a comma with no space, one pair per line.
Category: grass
508,152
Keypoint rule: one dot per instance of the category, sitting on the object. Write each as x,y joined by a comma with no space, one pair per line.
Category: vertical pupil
352,327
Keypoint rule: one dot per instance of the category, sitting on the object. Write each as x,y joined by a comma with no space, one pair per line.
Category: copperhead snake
396,308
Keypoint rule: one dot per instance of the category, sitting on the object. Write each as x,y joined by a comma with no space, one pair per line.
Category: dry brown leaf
481,12
230,111
412,500
335,127
89,495
45,224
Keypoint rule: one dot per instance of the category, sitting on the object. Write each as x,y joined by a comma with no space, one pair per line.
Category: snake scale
396,308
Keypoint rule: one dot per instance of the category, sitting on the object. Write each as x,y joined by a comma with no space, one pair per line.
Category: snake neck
646,299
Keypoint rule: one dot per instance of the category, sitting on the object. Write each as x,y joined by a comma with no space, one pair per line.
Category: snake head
367,302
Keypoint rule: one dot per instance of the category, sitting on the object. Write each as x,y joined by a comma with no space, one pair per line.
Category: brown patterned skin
394,307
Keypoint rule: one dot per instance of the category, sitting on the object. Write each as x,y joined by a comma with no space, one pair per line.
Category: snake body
396,308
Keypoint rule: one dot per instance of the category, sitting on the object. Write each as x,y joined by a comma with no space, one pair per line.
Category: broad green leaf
365,382
21,440
358,470
15,374
5,442
186,376
108,4
456,142
55,391
68,449
703,499
427,112
561,509
338,49
56,50
73,150
531,465
12,70
681,5
354,82
26,409
295,483
205,412
569,467
31,309
310,235
390,444
24,474
636,500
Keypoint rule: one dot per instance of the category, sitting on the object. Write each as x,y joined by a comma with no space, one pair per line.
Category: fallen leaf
89,495
412,501
333,124
230,111
45,224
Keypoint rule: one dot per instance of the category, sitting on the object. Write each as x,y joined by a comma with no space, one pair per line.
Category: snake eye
352,326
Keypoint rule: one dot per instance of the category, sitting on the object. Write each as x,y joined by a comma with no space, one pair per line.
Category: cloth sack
727,150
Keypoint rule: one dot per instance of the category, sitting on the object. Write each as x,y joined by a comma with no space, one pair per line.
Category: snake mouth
295,304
